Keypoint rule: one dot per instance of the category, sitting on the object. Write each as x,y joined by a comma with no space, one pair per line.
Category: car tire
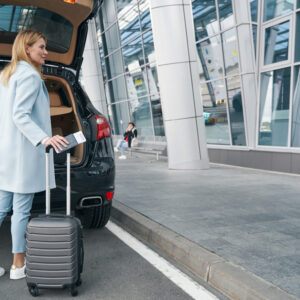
94,217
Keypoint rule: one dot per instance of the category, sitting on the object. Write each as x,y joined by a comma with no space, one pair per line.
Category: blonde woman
25,130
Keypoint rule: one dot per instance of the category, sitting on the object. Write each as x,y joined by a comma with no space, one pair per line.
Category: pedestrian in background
130,133
25,130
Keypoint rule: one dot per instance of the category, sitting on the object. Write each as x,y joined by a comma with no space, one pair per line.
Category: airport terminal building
237,59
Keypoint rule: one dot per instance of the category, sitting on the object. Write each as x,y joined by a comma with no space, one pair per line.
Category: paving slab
249,218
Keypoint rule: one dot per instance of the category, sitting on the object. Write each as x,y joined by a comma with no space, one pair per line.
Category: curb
226,277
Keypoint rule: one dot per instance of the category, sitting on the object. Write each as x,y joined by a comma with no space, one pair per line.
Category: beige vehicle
93,169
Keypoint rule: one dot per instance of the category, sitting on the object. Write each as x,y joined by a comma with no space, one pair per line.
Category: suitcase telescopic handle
68,187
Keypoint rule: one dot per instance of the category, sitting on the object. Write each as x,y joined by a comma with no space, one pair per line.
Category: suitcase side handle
68,187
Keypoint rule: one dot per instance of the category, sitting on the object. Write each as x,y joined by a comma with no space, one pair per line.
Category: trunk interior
64,117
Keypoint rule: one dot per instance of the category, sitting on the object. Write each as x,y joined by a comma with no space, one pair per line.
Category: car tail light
103,128
109,195
70,1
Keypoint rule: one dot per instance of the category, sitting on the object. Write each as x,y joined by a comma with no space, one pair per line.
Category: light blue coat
24,123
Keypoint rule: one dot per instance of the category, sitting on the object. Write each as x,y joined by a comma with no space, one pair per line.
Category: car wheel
94,217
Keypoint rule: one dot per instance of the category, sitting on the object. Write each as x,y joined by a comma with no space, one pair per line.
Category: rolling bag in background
54,246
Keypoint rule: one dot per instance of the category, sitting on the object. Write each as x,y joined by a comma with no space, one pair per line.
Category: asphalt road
112,270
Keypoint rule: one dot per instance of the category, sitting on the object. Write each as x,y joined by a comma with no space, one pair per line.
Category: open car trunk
64,117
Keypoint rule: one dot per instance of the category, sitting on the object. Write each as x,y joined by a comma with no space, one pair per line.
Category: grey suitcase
54,246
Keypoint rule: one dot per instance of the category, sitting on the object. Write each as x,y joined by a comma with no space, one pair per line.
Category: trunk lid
64,25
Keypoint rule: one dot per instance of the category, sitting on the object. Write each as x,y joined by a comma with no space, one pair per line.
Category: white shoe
122,157
2,271
116,149
17,273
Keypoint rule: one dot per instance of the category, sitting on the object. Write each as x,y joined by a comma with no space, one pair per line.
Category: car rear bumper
94,181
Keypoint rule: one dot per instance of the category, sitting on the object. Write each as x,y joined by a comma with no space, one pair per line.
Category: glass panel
123,7
205,18
298,3
115,64
231,60
149,47
253,8
129,29
236,111
295,138
141,116
226,14
277,43
112,39
136,84
116,90
133,55
254,36
152,80
274,107
58,30
119,115
297,35
158,122
145,15
275,8
210,56
215,112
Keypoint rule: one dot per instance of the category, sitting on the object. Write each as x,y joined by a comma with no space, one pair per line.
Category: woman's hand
56,142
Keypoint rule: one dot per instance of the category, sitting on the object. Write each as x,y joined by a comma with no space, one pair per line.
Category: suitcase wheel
73,290
33,290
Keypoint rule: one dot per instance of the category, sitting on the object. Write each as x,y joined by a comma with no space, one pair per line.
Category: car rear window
57,29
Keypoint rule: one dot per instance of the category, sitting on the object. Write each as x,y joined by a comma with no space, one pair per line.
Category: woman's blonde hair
23,39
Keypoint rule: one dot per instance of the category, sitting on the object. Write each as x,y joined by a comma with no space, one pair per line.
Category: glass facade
216,42
129,67
127,54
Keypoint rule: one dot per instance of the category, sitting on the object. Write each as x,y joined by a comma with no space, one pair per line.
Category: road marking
189,286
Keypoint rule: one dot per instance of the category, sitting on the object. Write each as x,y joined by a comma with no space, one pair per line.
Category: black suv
92,163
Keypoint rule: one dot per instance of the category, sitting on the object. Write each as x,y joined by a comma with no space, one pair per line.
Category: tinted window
57,30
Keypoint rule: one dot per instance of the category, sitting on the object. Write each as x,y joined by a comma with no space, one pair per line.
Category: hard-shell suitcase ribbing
54,246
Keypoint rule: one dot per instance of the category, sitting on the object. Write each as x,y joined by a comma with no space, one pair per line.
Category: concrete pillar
178,75
92,79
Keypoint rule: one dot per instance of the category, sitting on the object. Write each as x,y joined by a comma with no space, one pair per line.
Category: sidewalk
248,217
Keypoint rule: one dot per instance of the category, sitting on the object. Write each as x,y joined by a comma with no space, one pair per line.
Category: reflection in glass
153,85
275,8
253,9
129,30
123,7
111,40
116,90
133,54
236,111
145,15
274,107
254,36
158,121
297,40
226,13
115,62
230,47
215,112
295,138
277,43
205,18
140,114
149,47
210,56
136,84
119,116
57,29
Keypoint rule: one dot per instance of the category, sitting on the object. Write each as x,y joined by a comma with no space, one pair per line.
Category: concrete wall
266,160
